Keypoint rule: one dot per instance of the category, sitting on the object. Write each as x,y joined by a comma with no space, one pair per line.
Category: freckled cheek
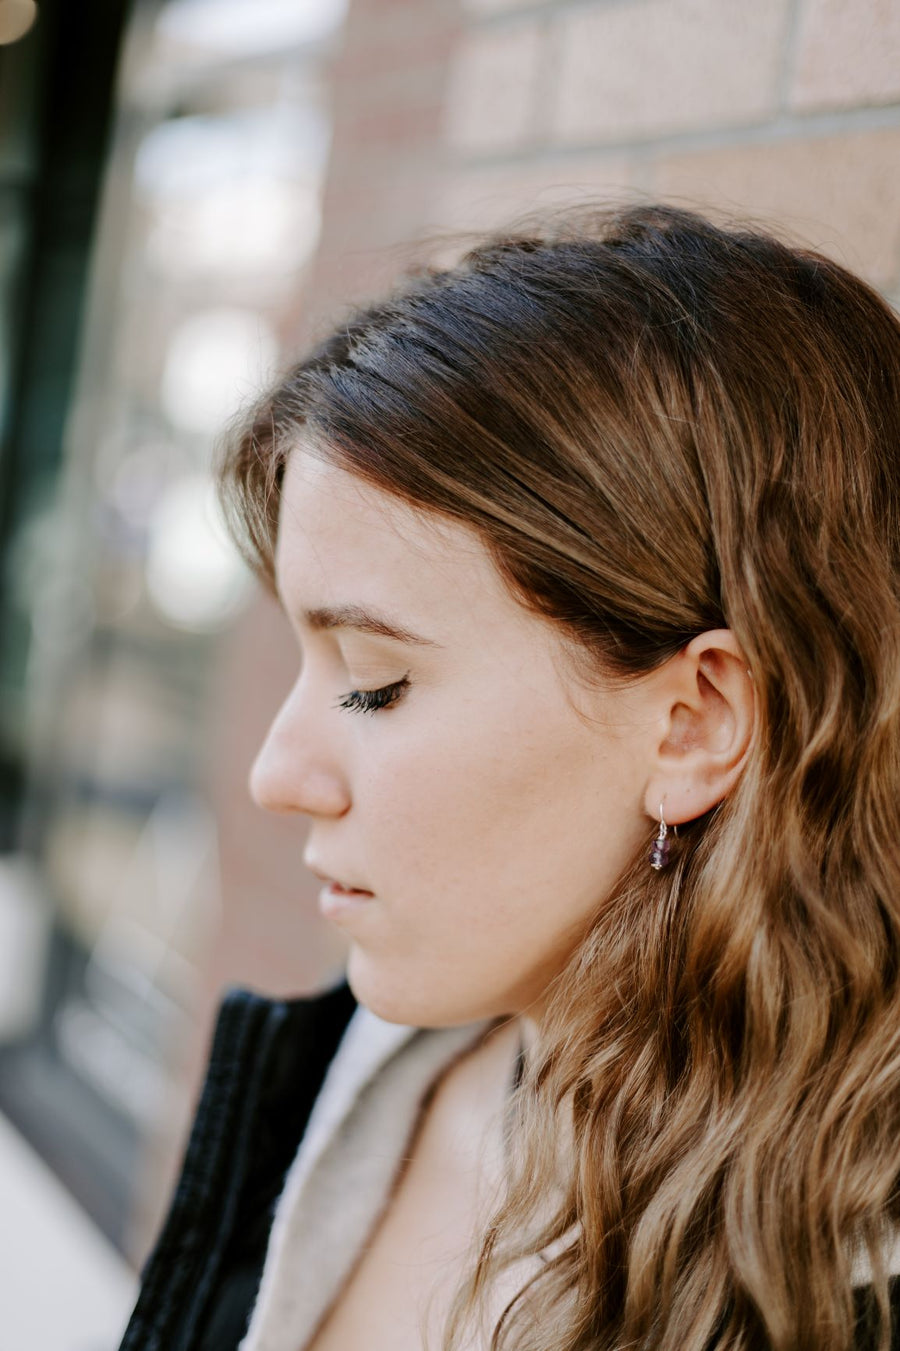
418,818
464,817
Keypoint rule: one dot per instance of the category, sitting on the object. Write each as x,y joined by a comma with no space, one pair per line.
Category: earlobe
707,713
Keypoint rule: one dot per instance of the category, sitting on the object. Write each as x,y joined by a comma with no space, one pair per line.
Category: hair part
659,426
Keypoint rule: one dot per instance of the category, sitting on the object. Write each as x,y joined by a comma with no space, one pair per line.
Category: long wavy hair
659,426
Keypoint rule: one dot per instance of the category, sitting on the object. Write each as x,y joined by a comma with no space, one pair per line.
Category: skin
490,809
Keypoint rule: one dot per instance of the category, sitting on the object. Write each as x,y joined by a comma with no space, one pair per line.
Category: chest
425,1241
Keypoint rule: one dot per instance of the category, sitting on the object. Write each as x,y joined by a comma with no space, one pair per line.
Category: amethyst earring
661,852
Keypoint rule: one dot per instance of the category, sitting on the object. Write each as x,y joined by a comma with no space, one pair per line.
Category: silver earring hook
663,828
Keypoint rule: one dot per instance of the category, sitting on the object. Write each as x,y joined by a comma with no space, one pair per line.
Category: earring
662,847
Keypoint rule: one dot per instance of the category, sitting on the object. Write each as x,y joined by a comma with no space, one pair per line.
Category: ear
705,712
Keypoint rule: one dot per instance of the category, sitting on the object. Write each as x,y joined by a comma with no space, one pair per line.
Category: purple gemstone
659,854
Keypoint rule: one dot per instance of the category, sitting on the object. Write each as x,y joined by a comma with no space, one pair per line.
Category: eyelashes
370,701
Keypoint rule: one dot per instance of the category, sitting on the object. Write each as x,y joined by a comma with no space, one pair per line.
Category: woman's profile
591,545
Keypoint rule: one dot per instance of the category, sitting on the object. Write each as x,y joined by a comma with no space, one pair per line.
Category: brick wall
784,110
458,114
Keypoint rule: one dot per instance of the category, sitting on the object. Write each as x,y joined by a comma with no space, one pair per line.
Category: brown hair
660,426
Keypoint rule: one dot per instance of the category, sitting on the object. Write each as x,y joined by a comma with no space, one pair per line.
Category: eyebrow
363,621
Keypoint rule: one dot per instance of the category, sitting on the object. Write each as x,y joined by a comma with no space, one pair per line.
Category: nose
296,768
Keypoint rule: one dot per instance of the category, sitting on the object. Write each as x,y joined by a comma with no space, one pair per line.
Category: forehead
343,541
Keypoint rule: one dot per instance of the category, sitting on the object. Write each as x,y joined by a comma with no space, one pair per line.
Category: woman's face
488,805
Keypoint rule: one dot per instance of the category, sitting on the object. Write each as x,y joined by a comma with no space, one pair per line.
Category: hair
659,426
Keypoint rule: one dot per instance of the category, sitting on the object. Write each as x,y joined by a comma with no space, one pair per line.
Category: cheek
455,804
504,834
489,848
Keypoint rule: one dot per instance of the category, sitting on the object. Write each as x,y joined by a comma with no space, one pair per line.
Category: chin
410,1000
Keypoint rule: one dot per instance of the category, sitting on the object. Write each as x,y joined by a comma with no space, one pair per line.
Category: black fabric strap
266,1066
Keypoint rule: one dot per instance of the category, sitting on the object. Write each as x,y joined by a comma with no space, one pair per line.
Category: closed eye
370,701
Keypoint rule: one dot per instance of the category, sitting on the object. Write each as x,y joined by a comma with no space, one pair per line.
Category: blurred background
189,191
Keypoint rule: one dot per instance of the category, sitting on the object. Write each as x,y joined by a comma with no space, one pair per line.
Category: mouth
340,890
336,887
341,904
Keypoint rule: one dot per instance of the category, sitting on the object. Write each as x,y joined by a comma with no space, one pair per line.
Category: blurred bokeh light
122,580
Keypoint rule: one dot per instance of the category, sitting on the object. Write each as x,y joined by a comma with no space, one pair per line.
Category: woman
592,548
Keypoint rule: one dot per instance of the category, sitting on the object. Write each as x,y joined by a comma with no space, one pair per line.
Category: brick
393,127
847,54
483,199
839,193
481,7
378,39
492,88
653,67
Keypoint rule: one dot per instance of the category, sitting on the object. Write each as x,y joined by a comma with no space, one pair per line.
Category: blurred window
123,575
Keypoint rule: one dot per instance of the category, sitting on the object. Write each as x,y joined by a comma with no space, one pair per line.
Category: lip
338,900
336,904
337,885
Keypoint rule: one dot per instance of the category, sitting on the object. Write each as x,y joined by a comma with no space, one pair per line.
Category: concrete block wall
457,114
